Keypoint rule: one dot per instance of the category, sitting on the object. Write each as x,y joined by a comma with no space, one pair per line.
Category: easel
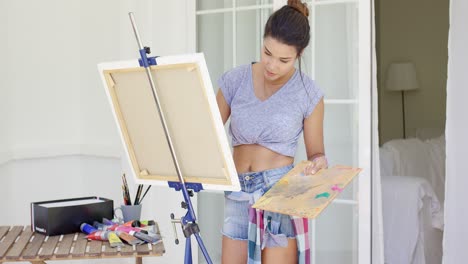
188,222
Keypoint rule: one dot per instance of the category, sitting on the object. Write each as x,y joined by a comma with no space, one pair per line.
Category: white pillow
425,133
411,157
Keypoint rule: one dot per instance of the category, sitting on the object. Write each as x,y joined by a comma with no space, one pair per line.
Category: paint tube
99,235
87,228
155,236
148,222
107,221
133,223
145,226
104,227
127,229
114,240
99,226
147,229
150,228
149,225
145,237
129,238
142,223
114,221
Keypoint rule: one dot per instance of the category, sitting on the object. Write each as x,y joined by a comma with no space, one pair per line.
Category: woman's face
277,58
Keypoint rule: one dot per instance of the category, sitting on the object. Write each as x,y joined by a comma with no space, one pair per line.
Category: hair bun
299,6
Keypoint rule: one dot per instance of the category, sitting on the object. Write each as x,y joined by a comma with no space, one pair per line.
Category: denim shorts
237,204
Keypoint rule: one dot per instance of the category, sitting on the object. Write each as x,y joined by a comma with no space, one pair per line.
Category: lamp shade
401,77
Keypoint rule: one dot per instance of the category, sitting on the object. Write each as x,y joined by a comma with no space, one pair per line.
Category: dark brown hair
290,25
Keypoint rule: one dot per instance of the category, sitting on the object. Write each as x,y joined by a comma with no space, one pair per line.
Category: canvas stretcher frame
189,105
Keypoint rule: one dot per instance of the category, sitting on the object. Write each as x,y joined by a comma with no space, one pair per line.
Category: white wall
414,31
57,135
3,91
456,208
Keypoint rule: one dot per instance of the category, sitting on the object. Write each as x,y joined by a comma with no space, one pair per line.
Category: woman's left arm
313,139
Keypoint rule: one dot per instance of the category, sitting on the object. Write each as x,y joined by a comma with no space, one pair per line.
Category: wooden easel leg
138,260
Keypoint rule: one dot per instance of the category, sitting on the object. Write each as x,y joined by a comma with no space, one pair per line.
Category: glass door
230,33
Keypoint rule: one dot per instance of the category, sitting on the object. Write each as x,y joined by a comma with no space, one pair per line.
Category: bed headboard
415,157
425,133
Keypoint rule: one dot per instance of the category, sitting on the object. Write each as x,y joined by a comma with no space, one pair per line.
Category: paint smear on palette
336,188
325,195
306,196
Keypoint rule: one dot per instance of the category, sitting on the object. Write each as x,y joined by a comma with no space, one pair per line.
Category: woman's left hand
317,164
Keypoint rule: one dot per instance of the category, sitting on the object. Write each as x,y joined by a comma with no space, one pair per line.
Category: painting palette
306,196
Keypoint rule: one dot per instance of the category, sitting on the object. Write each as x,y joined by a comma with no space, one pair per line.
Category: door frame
365,54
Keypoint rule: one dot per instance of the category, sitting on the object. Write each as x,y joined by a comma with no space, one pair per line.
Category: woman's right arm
224,108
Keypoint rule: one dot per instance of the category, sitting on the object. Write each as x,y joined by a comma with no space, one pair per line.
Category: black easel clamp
190,229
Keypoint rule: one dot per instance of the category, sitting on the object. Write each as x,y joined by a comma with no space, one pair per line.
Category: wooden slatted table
19,243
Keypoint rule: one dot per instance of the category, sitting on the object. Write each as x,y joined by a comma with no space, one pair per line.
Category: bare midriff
253,158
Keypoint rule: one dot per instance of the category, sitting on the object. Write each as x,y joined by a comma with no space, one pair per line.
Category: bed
413,179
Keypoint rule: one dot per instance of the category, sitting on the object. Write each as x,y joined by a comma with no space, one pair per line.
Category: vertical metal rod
163,119
135,30
403,111
188,251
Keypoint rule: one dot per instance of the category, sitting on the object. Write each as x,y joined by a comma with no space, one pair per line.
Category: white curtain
456,207
377,221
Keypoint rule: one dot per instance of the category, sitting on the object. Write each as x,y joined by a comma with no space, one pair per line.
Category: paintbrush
147,189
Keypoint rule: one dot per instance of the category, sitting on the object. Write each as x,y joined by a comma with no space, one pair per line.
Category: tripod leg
188,251
202,248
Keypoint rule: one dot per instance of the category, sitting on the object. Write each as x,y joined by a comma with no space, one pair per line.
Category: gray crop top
275,123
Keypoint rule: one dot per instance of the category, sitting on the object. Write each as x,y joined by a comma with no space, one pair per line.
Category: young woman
270,103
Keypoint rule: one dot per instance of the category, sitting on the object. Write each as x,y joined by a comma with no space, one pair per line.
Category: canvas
189,105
